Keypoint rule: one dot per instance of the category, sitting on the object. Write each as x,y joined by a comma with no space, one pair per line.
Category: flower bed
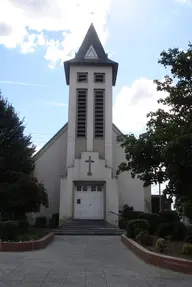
34,242
158,259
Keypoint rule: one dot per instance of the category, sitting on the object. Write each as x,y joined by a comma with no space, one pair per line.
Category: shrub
187,207
153,219
189,229
168,216
188,239
135,226
186,249
130,215
41,222
161,244
9,231
176,230
54,221
23,226
126,208
144,238
122,223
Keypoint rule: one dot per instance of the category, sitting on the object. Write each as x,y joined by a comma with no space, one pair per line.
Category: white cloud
132,104
57,104
21,83
27,25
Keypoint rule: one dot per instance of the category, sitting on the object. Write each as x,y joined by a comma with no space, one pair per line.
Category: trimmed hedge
168,216
135,226
122,223
186,249
153,219
9,230
176,230
188,239
41,222
23,226
130,215
54,221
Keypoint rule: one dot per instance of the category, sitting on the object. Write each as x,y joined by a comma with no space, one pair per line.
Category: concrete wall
131,190
50,166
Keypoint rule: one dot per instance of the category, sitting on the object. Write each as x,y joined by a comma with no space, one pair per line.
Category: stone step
87,227
88,232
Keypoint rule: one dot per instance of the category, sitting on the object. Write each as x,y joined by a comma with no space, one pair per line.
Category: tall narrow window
81,112
99,113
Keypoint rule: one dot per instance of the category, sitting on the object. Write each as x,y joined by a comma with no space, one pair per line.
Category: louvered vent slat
99,113
81,112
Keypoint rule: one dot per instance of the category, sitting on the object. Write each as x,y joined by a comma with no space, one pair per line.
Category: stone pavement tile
75,278
53,285
137,280
54,279
10,283
94,279
162,282
35,278
29,284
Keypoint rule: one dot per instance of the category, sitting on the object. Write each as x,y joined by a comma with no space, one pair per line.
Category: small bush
153,219
122,223
126,208
144,238
187,208
186,249
168,216
10,231
176,230
54,221
41,222
23,226
188,239
135,226
130,215
189,229
161,244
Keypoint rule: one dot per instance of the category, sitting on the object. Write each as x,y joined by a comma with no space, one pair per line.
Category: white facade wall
100,173
131,190
50,166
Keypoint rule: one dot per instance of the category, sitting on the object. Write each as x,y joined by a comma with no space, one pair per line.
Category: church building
78,165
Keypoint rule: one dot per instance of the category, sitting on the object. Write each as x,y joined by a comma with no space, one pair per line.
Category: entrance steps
87,227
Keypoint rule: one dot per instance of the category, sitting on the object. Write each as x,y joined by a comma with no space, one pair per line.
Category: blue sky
37,36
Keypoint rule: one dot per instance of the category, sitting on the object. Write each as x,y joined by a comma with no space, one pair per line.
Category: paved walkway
91,261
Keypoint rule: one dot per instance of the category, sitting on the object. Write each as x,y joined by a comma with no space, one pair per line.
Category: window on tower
99,77
81,112
99,114
82,77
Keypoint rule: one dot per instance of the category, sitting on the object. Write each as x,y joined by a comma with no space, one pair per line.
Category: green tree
143,159
171,128
175,125
20,192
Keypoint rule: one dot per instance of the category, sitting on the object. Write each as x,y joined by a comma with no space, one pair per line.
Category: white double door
89,201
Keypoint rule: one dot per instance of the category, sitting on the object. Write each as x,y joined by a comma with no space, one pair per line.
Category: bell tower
90,76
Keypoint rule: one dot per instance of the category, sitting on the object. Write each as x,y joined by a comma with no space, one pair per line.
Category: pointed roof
91,52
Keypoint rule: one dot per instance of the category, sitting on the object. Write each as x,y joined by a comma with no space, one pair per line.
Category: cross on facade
89,161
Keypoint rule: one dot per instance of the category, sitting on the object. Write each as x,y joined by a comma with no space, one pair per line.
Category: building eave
89,63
